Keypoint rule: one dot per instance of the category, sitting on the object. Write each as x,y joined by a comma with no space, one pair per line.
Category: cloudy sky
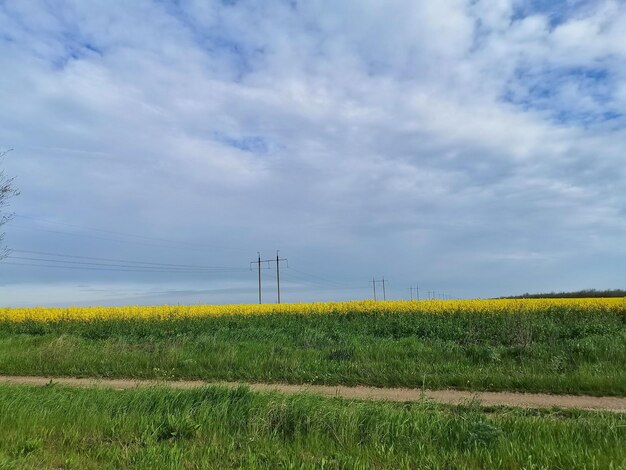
473,147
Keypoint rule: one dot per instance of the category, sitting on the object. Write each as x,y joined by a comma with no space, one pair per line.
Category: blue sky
473,147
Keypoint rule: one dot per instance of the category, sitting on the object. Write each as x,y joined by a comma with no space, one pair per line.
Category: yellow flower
42,314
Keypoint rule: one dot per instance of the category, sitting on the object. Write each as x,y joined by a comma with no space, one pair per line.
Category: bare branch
7,191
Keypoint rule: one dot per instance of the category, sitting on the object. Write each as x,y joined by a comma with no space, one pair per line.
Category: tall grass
559,349
57,427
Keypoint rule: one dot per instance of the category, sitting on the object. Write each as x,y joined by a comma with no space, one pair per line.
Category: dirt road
525,400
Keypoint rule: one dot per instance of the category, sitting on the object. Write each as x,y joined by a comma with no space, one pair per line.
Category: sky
473,148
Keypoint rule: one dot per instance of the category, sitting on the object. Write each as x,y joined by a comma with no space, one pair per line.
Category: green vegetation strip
213,427
560,350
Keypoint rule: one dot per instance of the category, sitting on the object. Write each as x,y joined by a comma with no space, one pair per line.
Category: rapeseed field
593,305
551,345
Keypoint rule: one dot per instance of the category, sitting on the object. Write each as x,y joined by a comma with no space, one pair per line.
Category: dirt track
525,400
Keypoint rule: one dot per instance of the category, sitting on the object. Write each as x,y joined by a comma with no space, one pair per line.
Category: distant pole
374,285
278,274
384,293
417,291
259,261
411,290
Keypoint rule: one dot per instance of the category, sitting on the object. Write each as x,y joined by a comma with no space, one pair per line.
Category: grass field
574,346
57,427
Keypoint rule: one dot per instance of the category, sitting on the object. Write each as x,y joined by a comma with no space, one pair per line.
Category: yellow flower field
365,306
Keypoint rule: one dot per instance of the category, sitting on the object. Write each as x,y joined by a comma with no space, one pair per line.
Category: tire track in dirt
447,396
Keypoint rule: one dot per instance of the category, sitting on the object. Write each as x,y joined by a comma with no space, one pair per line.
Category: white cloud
401,130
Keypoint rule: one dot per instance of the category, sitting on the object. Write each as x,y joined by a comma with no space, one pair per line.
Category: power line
90,268
26,258
61,255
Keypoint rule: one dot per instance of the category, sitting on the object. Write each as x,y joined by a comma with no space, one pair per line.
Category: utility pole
417,291
278,276
373,281
260,261
384,294
278,260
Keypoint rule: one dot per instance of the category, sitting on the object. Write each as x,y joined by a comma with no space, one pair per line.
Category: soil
448,396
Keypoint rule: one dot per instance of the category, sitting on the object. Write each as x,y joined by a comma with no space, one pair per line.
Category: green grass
58,427
558,350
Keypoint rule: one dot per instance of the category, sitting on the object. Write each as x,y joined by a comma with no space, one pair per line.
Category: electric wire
129,270
27,258
117,260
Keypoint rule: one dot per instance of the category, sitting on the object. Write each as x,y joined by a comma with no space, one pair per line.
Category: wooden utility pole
278,260
417,291
374,281
384,292
259,262
278,275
